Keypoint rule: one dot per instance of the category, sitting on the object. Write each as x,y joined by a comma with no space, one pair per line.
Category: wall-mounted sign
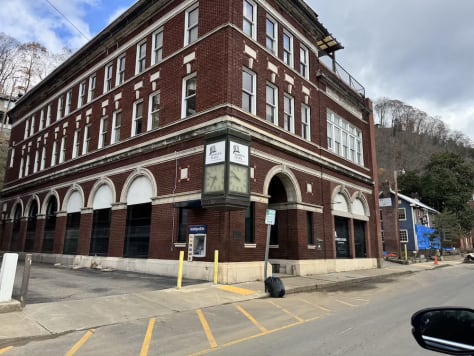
384,202
239,153
215,152
270,217
198,229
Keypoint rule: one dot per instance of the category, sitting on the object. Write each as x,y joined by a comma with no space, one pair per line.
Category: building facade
177,127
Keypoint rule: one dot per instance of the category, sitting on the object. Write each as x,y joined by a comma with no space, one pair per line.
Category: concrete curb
11,306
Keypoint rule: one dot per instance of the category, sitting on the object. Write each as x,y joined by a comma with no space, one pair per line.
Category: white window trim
75,146
183,94
187,28
118,71
154,58
86,140
304,63
291,49
150,104
113,138
291,115
306,109
108,79
404,233
92,87
274,49
43,158
253,93
81,100
139,58
275,91
134,118
102,131
62,150
68,107
252,21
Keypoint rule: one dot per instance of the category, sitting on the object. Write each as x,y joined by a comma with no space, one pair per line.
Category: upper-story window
60,111
304,62
54,153
108,77
402,214
141,58
249,91
188,107
32,127
272,35
43,158
87,139
154,111
306,122
272,103
116,125
76,143
157,56
191,25
289,113
36,161
49,114
68,102
27,129
137,118
121,69
288,48
92,85
103,130
41,122
62,150
249,25
82,94
344,139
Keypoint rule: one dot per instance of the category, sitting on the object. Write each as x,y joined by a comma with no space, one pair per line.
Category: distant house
6,103
415,221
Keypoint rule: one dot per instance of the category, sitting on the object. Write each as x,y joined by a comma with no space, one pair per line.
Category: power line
65,17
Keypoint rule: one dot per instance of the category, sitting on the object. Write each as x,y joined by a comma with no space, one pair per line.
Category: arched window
31,228
50,225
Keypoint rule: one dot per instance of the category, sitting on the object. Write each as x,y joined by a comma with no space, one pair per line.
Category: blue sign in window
198,229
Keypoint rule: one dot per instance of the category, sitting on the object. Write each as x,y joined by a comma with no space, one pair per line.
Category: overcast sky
417,51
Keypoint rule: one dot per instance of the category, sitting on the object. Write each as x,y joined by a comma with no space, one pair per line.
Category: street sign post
269,220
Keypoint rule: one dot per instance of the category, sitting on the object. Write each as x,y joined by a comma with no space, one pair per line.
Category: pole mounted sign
269,221
270,217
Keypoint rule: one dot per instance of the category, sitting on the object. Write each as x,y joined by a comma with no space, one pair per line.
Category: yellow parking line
252,319
80,343
6,349
207,329
147,339
286,311
237,290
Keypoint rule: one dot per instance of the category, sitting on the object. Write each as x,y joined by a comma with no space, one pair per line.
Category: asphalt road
51,284
369,318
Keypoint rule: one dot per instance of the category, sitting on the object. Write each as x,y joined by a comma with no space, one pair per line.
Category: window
183,225
32,127
402,214
250,224
43,158
87,139
92,85
60,111
272,104
288,49
141,58
68,102
289,113
41,122
116,124
189,96
121,69
20,172
137,118
404,236
103,132
157,47
344,139
27,164
249,99
109,72
306,122
154,111
54,153
250,19
76,143
27,129
36,162
304,62
191,27
12,157
271,36
62,150
48,115
82,94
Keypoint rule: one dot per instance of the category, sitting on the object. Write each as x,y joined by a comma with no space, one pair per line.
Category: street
367,318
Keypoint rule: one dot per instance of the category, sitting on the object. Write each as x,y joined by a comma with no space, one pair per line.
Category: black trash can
275,287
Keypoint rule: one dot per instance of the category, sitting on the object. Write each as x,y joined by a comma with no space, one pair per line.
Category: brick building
177,127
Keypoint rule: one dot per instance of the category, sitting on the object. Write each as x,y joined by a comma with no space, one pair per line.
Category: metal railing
348,79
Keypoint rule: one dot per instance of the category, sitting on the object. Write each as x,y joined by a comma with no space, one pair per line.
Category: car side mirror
447,329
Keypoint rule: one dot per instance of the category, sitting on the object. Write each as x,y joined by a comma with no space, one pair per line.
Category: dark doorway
31,227
72,233
100,232
15,241
359,239
342,237
50,225
138,231
277,193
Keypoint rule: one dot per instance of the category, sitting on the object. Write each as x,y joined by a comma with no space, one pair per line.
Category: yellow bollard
180,269
406,253
216,265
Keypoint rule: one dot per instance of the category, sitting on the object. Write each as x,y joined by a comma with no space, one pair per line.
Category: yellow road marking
207,329
6,349
286,311
80,343
147,339
346,303
252,319
237,290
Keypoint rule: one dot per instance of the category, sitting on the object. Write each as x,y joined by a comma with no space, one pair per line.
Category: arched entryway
74,205
50,224
15,240
31,226
104,197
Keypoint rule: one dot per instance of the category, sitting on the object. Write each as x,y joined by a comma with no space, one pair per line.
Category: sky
418,51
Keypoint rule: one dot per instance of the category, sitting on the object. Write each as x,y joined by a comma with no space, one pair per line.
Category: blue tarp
423,235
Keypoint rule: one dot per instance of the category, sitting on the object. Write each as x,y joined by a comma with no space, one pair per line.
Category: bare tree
8,53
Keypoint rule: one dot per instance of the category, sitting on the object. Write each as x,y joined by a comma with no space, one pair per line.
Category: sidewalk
44,319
